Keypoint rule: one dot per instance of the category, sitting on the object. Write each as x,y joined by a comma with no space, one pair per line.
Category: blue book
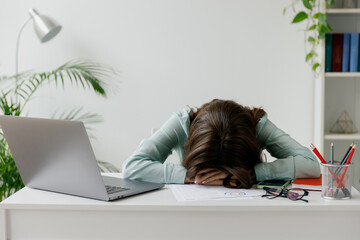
359,61
346,53
354,52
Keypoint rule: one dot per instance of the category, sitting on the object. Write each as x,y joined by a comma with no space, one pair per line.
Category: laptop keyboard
114,189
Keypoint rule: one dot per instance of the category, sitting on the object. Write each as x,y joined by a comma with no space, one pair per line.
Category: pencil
314,149
317,153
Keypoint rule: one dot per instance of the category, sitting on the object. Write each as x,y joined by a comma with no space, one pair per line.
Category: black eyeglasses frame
272,193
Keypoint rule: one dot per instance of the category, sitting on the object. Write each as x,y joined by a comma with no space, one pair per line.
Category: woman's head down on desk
220,143
222,148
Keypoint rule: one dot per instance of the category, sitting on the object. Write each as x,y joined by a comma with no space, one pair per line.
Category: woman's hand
212,177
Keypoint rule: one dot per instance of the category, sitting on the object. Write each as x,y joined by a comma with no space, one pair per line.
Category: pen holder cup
336,181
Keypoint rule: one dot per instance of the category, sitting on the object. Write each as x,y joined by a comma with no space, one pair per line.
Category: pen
346,154
331,162
345,170
332,153
347,162
343,160
351,154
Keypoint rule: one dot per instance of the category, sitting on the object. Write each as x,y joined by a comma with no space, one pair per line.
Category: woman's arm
293,159
147,163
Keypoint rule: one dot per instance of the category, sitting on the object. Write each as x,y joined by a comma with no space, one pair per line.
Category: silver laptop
56,155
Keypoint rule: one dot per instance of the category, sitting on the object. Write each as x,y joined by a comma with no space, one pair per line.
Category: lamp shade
45,27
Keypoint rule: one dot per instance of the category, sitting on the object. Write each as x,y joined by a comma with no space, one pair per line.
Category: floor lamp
45,28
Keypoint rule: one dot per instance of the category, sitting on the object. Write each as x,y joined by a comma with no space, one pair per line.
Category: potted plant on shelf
16,92
313,13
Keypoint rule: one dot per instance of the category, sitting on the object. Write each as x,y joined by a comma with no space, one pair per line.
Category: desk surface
163,199
25,214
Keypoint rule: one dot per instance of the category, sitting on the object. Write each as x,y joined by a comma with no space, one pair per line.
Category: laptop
56,155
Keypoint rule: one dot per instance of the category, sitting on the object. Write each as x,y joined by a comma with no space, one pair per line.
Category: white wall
170,54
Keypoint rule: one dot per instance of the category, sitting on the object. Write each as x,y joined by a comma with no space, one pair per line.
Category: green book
328,51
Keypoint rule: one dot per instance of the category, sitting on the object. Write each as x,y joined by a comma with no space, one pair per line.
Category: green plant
313,11
16,92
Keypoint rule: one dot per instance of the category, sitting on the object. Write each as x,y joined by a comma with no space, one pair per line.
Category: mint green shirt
148,163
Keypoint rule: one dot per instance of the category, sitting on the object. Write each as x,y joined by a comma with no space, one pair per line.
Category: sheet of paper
192,192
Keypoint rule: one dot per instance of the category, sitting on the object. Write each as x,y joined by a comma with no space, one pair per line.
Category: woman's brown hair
222,135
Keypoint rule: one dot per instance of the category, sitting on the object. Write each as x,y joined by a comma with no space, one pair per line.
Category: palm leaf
90,75
107,167
27,87
8,106
87,74
77,114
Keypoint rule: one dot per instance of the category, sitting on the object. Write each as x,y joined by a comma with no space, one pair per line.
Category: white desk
35,214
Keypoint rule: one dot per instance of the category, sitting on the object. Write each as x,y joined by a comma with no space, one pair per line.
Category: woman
220,143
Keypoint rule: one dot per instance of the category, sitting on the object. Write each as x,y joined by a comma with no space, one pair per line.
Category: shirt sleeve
293,159
147,163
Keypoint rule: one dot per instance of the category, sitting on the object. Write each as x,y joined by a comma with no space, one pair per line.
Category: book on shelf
307,183
359,61
328,52
337,49
354,52
346,53
342,52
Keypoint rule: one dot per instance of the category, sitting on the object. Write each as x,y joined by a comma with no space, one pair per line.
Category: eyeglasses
292,193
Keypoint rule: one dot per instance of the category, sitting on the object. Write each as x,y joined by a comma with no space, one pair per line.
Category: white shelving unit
336,92
341,137
343,11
